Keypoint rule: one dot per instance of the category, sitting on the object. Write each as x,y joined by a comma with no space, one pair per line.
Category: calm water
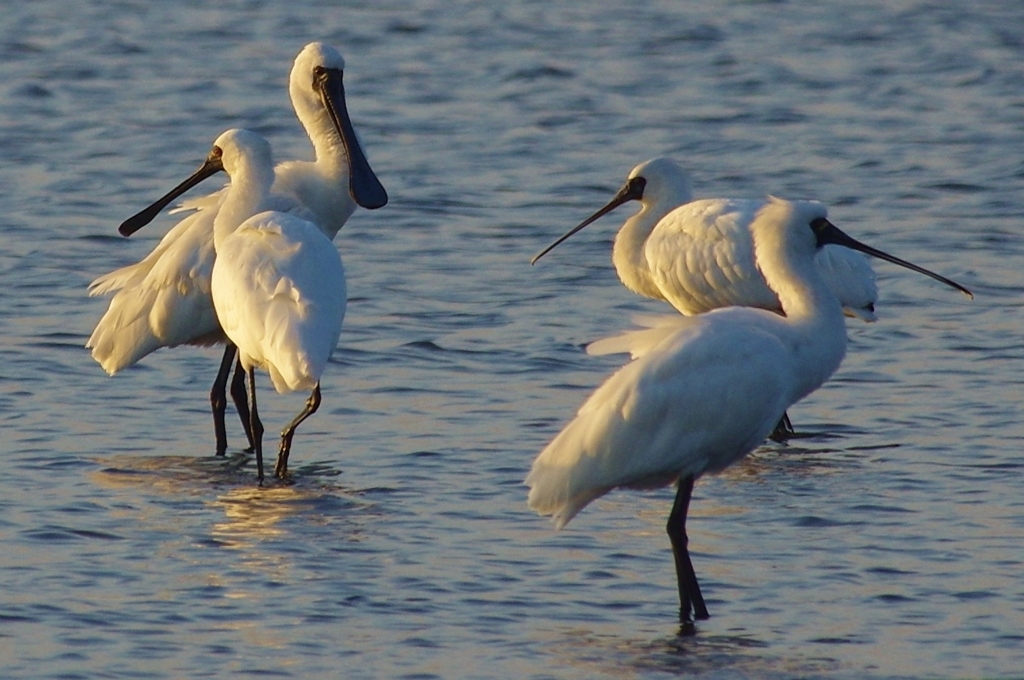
886,544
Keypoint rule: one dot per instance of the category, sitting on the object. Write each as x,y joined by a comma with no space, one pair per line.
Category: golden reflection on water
253,515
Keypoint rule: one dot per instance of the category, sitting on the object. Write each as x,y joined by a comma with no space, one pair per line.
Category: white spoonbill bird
705,390
278,285
698,255
165,299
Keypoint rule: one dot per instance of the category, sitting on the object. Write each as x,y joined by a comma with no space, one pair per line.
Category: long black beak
633,190
364,187
826,232
210,167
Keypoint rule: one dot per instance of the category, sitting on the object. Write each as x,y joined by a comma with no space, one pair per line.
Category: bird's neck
628,253
246,196
323,135
814,324
320,186
817,332
327,144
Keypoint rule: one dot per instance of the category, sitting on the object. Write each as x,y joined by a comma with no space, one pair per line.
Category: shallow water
886,543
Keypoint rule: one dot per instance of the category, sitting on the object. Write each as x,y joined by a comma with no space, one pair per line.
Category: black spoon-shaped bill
363,185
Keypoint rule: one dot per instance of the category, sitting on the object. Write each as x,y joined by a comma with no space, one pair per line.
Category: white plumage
698,255
671,411
705,390
279,290
161,301
164,300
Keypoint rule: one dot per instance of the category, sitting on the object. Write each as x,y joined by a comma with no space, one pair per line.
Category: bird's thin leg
312,404
690,598
241,402
218,399
257,426
783,431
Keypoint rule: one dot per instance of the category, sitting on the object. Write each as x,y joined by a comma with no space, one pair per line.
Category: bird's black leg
241,403
257,426
783,431
690,598
218,399
312,404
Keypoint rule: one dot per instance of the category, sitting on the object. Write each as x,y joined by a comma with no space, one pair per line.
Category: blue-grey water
888,543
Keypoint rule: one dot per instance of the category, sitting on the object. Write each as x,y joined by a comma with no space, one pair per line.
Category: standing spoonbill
703,391
278,285
699,255
165,299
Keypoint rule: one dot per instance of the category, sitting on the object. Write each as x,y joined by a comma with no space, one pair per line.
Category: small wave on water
708,656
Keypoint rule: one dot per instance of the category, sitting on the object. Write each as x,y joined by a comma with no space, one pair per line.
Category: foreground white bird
165,300
703,391
278,285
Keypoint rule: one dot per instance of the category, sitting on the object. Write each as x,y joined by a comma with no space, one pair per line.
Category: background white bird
698,255
703,391
165,299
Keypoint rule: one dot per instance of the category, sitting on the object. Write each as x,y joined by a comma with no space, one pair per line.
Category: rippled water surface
886,543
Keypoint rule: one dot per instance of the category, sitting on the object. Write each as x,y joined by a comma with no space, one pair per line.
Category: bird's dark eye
319,78
636,188
216,152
